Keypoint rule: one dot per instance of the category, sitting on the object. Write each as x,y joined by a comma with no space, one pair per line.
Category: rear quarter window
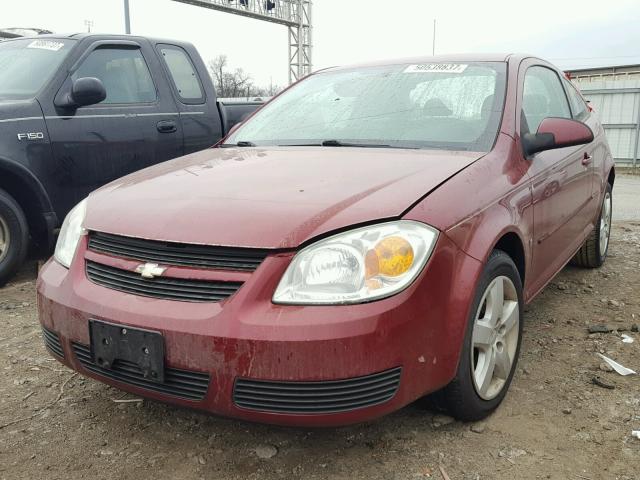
579,108
183,74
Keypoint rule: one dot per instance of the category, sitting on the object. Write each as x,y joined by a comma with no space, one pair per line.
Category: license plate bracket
112,342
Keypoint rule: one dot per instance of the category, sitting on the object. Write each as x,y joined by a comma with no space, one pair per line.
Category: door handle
586,159
167,126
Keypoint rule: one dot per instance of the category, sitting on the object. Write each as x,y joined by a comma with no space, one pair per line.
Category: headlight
70,234
358,266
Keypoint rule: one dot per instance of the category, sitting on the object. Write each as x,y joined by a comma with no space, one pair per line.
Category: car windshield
453,106
27,64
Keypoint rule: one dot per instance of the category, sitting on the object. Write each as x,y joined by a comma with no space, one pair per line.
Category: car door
594,153
136,126
194,96
561,178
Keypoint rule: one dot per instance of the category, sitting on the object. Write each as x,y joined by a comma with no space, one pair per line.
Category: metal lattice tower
294,14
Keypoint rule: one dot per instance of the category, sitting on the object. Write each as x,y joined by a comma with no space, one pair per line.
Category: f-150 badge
31,136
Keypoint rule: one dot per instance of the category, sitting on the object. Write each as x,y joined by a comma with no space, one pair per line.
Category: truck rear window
183,74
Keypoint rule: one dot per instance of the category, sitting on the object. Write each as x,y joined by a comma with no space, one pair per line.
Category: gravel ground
555,422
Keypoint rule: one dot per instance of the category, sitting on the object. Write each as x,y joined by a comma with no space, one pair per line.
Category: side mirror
556,133
84,91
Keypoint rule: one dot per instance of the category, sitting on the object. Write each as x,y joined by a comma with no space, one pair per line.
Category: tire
468,397
593,252
14,237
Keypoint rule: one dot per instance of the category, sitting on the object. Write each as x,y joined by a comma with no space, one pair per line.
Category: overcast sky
567,32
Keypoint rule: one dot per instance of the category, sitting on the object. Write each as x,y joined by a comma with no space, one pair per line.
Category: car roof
83,35
455,58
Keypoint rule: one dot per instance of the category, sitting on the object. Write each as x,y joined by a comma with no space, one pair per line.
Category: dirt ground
555,423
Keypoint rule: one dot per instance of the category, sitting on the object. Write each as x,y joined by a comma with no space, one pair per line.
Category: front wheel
14,236
593,252
491,344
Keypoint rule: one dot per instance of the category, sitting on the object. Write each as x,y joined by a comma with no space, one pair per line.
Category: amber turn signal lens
395,256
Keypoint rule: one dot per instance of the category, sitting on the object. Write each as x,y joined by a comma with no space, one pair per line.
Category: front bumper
250,346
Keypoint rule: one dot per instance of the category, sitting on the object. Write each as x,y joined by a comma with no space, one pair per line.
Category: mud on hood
269,198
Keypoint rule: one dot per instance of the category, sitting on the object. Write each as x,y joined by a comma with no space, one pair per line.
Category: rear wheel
593,252
491,345
14,237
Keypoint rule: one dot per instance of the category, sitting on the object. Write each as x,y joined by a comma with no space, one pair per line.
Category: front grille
180,254
160,287
317,397
52,342
177,383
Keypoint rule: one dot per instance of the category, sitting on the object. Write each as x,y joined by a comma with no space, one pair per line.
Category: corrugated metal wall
616,99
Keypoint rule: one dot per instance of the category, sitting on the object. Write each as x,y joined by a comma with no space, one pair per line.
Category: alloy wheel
605,224
495,337
4,239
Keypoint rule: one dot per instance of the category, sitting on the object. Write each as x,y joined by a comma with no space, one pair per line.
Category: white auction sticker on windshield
436,68
46,45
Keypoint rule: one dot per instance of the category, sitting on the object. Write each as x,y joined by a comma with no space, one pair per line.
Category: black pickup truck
78,111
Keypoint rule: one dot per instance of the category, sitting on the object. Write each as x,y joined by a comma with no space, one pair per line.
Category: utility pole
88,24
127,19
433,43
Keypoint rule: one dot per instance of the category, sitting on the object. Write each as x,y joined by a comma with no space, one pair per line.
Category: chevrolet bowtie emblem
150,270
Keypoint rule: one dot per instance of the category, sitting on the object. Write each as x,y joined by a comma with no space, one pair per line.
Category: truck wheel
593,252
14,237
491,344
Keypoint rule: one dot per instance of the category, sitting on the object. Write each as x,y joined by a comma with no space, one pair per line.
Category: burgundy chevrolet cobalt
369,237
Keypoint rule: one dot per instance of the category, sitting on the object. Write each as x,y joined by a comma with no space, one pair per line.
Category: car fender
30,180
480,235
44,217
481,204
608,173
466,272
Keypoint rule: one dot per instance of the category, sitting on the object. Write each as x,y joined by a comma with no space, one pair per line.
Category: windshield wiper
338,143
324,143
239,144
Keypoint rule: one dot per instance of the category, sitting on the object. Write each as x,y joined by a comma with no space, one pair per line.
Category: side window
183,74
578,106
123,72
543,97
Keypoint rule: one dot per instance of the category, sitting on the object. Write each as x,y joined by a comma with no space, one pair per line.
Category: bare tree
229,83
236,83
269,91
217,68
239,83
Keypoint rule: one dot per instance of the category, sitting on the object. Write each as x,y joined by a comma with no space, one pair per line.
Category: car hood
268,198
